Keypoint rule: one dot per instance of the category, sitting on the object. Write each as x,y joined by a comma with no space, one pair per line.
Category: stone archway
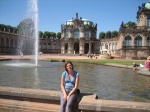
76,47
86,48
66,48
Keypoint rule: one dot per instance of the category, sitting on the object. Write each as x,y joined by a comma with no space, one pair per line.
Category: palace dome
84,22
147,5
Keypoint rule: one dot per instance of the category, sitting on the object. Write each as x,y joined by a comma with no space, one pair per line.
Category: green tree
2,27
59,35
101,35
130,24
108,34
15,29
47,34
53,34
40,34
9,28
114,34
26,27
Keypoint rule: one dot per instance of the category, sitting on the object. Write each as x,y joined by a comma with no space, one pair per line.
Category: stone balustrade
34,100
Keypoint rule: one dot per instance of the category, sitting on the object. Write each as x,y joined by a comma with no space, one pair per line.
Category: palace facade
131,43
78,36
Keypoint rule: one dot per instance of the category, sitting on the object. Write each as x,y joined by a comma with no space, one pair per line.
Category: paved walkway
44,56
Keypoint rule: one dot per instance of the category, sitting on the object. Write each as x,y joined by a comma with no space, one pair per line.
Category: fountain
29,28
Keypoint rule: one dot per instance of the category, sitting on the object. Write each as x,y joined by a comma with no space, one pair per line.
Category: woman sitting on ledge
69,86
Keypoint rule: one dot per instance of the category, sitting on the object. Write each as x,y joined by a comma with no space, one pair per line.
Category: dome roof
84,22
147,5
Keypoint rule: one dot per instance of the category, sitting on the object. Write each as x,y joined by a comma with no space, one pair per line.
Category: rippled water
107,82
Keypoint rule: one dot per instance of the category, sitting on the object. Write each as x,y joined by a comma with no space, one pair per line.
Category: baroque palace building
78,36
131,43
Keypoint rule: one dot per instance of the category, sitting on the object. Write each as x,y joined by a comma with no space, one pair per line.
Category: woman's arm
62,86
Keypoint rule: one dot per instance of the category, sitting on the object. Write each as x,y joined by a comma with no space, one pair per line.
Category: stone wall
33,100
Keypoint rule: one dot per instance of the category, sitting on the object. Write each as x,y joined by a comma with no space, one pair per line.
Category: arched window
138,41
49,46
148,20
2,42
66,33
110,46
7,42
116,46
76,33
102,46
148,40
11,43
127,41
86,33
106,46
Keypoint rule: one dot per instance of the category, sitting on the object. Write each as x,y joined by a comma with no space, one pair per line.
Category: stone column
81,32
71,46
71,33
133,42
144,41
134,53
81,47
123,53
90,35
62,46
90,45
63,34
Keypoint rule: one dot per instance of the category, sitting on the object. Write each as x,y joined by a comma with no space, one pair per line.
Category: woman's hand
68,97
65,97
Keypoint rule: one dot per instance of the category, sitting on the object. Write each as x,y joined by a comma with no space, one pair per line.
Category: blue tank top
69,83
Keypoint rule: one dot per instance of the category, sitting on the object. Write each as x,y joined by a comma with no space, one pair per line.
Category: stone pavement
44,56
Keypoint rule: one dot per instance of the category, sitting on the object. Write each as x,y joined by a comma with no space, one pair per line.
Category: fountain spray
33,9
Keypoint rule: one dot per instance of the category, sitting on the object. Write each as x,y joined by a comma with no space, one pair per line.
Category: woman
69,86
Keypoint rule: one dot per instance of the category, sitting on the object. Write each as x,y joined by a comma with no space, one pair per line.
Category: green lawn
99,61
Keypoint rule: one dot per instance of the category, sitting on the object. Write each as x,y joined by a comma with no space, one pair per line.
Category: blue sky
108,14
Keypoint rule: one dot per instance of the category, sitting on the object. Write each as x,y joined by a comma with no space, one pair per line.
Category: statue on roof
76,15
143,5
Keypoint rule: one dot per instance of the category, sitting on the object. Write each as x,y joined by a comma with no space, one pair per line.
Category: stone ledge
91,104
87,102
25,106
30,94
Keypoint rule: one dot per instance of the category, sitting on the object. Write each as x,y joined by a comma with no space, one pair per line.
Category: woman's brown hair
68,62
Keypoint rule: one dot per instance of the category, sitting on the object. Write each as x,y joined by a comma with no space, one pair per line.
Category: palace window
7,42
106,46
148,20
138,41
2,42
11,43
76,33
66,33
86,33
102,47
128,41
